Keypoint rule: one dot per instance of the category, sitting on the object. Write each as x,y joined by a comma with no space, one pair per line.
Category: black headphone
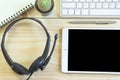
40,63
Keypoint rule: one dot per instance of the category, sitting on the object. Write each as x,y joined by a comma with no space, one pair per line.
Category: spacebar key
106,12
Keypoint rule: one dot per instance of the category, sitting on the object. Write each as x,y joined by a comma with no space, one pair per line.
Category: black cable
29,76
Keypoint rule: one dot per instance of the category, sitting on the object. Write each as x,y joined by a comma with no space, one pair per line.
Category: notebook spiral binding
17,14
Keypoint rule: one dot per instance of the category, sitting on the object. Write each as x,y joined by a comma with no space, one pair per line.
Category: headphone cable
29,76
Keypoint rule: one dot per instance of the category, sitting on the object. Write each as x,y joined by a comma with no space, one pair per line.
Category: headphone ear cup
35,65
19,69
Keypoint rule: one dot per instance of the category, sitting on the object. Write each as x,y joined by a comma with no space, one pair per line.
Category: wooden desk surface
25,43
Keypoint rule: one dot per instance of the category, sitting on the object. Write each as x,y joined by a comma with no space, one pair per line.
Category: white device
91,50
90,8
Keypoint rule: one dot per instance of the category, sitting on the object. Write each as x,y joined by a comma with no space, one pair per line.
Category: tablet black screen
94,50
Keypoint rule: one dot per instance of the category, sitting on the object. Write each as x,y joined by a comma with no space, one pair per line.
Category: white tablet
91,50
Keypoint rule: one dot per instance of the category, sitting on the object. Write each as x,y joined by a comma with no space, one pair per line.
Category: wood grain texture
26,41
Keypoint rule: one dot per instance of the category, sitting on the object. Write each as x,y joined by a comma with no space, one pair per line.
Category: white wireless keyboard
90,8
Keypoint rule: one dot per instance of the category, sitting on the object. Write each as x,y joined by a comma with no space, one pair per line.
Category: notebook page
10,7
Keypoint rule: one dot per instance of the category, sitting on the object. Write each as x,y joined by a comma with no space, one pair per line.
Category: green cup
44,6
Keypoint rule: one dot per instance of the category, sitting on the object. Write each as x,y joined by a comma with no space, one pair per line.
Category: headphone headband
46,50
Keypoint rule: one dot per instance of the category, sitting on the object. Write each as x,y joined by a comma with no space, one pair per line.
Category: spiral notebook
11,9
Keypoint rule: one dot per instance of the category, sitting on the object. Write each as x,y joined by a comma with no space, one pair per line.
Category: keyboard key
98,5
85,5
102,0
95,0
92,5
79,5
103,12
108,0
82,0
112,5
117,5
67,0
77,12
69,5
76,0
85,12
89,0
64,12
105,5
71,12
115,0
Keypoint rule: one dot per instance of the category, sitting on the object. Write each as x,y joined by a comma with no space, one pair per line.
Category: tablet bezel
64,62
